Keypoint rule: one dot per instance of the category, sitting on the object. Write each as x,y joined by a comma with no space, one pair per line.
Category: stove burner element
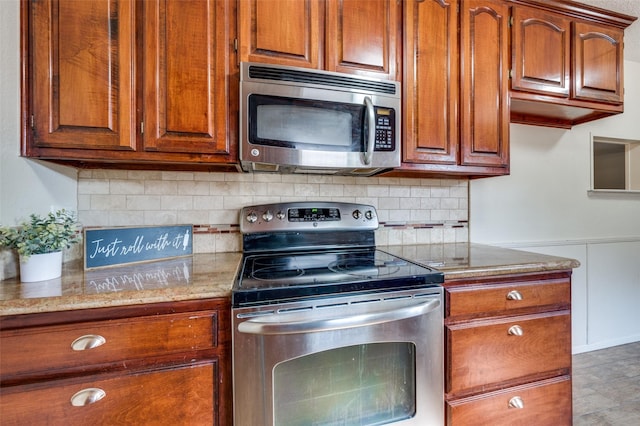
361,266
276,272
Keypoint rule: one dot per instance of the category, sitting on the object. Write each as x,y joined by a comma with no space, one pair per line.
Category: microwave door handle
371,136
271,326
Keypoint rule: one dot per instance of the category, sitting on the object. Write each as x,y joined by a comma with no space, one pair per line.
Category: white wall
544,206
26,186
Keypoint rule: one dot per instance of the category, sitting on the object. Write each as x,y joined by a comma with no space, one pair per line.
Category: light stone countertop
212,275
199,276
464,260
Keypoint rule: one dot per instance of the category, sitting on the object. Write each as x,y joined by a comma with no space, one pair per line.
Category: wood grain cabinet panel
541,43
507,298
484,83
567,63
83,88
183,395
185,77
489,352
350,36
79,346
455,88
544,403
598,63
508,350
282,32
129,83
164,363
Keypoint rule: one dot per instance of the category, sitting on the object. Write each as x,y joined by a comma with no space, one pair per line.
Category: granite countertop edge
213,275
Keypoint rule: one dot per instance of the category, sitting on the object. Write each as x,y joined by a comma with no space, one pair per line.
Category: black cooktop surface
277,277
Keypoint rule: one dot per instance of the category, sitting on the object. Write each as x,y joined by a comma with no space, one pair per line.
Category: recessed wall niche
615,164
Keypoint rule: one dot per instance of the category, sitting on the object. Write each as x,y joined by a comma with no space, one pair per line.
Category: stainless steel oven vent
322,78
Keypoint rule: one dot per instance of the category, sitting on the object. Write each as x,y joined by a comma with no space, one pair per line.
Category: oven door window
306,124
368,384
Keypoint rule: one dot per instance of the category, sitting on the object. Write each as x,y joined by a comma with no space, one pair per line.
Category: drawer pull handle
515,330
516,402
514,295
88,341
87,396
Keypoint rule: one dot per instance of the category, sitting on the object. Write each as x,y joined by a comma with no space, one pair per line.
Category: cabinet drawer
486,300
163,397
104,342
542,403
487,352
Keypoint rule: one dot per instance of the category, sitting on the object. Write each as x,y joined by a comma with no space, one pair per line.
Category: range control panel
308,216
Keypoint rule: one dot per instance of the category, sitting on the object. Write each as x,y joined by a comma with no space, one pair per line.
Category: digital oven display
314,214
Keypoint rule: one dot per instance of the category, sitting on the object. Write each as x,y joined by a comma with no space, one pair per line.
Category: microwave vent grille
310,77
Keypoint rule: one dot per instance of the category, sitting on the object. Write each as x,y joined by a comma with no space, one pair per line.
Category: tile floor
606,387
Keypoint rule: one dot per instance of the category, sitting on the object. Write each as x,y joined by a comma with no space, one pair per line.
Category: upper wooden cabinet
130,83
541,45
455,88
567,62
351,36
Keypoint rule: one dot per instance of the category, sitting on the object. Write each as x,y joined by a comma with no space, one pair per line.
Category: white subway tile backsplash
411,211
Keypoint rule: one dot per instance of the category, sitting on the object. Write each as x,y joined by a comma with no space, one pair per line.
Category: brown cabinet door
598,63
285,32
484,83
364,37
482,354
430,83
98,345
82,93
539,403
176,396
186,63
541,52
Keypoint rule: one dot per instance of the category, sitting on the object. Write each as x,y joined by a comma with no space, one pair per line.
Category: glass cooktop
271,278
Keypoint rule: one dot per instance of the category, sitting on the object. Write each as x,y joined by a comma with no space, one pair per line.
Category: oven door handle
274,325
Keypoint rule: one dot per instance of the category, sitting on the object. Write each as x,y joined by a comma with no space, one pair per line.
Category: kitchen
543,205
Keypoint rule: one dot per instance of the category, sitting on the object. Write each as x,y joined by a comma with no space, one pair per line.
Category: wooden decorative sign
116,246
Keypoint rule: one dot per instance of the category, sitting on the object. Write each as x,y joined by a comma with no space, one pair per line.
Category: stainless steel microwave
299,120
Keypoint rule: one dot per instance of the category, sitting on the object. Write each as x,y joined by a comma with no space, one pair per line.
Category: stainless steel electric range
327,328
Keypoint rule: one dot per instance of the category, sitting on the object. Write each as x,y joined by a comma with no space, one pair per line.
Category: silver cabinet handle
88,341
514,295
87,396
515,330
371,138
516,402
269,325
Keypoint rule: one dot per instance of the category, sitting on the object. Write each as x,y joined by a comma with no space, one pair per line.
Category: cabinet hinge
511,21
510,73
142,127
235,44
33,122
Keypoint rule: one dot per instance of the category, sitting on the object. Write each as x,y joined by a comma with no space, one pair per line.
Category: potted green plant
39,241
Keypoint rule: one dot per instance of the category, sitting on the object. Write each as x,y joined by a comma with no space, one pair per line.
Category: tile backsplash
410,210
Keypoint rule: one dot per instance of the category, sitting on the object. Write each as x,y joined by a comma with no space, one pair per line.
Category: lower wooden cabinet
178,396
541,403
508,350
153,364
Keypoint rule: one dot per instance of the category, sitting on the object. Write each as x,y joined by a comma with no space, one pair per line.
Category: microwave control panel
385,129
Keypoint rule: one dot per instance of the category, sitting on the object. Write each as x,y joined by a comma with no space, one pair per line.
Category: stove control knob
252,217
280,215
357,214
267,216
368,214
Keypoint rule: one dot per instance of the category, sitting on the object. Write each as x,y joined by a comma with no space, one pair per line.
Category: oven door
365,360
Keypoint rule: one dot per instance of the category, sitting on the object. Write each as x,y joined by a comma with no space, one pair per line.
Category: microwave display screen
306,124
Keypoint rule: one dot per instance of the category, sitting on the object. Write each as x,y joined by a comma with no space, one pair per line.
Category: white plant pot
40,267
